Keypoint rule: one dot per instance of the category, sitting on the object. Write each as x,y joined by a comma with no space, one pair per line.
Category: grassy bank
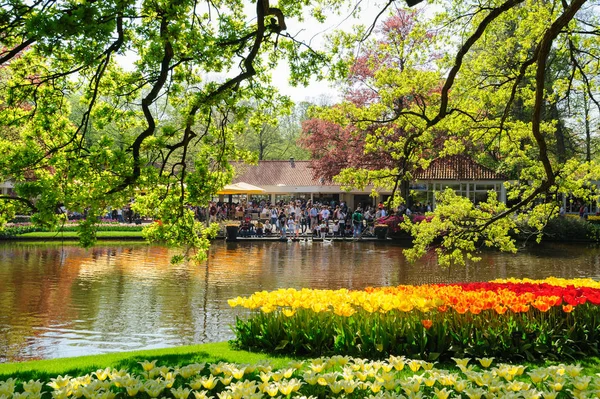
73,234
74,366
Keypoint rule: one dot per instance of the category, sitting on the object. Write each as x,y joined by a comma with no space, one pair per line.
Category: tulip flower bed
510,320
338,376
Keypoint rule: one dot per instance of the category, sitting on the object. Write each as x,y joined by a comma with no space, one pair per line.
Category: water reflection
60,301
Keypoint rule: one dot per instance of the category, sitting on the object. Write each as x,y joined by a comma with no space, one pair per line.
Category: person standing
314,217
281,223
342,221
357,222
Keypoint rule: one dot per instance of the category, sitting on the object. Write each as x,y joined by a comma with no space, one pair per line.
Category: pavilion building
291,179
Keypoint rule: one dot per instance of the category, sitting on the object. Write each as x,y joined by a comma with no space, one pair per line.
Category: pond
58,301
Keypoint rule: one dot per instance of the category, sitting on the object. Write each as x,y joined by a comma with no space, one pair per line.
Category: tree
496,99
86,131
359,141
274,135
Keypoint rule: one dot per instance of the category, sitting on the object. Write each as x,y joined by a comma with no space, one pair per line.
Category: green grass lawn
73,234
74,366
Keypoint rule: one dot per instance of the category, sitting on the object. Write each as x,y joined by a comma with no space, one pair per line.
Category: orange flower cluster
515,295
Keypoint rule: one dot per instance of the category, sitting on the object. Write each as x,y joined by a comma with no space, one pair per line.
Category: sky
315,33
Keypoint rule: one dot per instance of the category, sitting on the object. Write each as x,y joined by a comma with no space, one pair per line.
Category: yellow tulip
460,385
153,388
272,389
32,386
485,361
376,387
429,381
461,362
573,370
147,366
56,383
581,383
414,365
310,377
133,390
441,393
538,375
225,380
180,393
550,394
209,382
474,393
201,395
336,386
195,384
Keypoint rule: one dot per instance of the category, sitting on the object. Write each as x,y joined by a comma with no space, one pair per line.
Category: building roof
300,173
273,173
457,167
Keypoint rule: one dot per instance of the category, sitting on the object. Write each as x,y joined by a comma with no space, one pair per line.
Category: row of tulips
337,376
516,319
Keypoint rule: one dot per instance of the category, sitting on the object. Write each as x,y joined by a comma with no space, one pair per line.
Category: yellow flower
336,386
538,375
581,383
147,366
201,395
474,393
195,384
376,387
410,385
441,393
517,386
427,365
225,380
556,386
414,365
573,370
32,386
180,393
310,377
209,382
133,389
550,394
391,384
153,388
461,362
349,386
460,385
485,361
272,389
531,394
430,381
56,383
317,365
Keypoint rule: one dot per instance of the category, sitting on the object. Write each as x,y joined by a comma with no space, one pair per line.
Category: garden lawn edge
182,355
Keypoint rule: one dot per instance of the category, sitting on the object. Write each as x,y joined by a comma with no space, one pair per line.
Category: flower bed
338,376
516,319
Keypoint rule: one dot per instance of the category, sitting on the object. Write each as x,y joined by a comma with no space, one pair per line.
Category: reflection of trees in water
128,297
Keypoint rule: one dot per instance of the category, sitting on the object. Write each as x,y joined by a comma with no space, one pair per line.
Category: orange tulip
427,324
568,308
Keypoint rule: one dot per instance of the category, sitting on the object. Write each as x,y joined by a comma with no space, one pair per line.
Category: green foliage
532,335
497,97
102,103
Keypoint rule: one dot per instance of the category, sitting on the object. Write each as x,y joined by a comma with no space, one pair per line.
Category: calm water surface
58,301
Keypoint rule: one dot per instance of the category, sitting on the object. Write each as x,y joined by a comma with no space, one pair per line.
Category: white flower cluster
337,376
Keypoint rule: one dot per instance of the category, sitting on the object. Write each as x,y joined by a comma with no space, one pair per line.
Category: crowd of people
298,217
